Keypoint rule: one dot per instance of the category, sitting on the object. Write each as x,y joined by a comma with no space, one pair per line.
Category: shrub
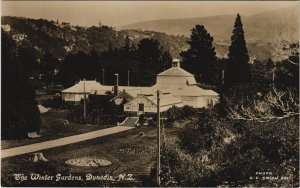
98,111
175,113
55,102
216,151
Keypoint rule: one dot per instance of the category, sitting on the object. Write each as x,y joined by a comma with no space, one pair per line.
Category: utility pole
128,78
273,78
116,86
103,76
158,139
84,98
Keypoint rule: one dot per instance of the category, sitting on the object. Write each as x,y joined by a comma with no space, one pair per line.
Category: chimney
116,86
176,63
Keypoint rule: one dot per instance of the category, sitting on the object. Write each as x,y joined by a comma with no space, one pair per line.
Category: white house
130,92
148,103
77,91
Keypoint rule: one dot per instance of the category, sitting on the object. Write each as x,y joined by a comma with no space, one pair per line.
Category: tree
237,69
149,56
287,71
200,58
275,105
20,113
49,65
78,66
126,46
27,58
166,59
149,51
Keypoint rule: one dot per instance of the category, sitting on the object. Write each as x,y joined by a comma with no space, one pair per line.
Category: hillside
62,38
266,26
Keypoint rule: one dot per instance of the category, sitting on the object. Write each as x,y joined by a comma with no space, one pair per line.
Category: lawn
128,152
52,127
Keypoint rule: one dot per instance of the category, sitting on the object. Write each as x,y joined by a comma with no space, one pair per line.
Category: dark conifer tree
77,67
126,45
166,59
19,110
238,68
49,65
149,57
200,58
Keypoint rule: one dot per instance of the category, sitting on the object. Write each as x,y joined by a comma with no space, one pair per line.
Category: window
141,107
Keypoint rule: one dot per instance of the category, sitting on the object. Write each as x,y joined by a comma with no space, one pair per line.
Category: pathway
61,141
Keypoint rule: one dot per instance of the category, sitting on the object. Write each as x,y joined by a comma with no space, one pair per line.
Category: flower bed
88,161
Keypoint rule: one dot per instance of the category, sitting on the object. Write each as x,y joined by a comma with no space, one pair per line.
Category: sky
118,13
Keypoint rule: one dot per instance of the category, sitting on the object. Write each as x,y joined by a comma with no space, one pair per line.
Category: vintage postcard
150,93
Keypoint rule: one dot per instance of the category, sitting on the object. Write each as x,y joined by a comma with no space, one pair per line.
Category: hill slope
62,38
282,23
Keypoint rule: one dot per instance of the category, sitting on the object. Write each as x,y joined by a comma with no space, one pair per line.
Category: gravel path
61,141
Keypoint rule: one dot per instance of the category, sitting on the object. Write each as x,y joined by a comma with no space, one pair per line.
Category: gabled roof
88,85
176,72
165,99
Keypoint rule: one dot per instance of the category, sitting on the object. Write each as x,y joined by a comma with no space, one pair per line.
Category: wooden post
103,76
84,98
158,138
128,78
273,77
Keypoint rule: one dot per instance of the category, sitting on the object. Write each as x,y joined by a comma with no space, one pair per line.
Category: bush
98,111
55,103
175,113
215,151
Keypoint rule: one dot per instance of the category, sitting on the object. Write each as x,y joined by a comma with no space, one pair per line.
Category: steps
130,122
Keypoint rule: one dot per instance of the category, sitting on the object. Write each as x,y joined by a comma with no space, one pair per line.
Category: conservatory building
177,88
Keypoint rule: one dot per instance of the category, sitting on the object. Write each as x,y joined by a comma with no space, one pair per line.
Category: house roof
165,99
135,91
187,90
89,86
176,72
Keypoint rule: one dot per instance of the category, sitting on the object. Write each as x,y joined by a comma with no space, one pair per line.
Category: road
61,141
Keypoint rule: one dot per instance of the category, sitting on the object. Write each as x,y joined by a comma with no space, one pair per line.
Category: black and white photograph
149,93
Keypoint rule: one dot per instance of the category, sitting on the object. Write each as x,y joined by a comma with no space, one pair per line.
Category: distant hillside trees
238,68
19,110
200,59
143,62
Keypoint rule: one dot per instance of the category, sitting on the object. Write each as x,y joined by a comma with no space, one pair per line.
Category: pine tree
126,44
238,68
126,49
149,56
200,58
19,111
166,59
